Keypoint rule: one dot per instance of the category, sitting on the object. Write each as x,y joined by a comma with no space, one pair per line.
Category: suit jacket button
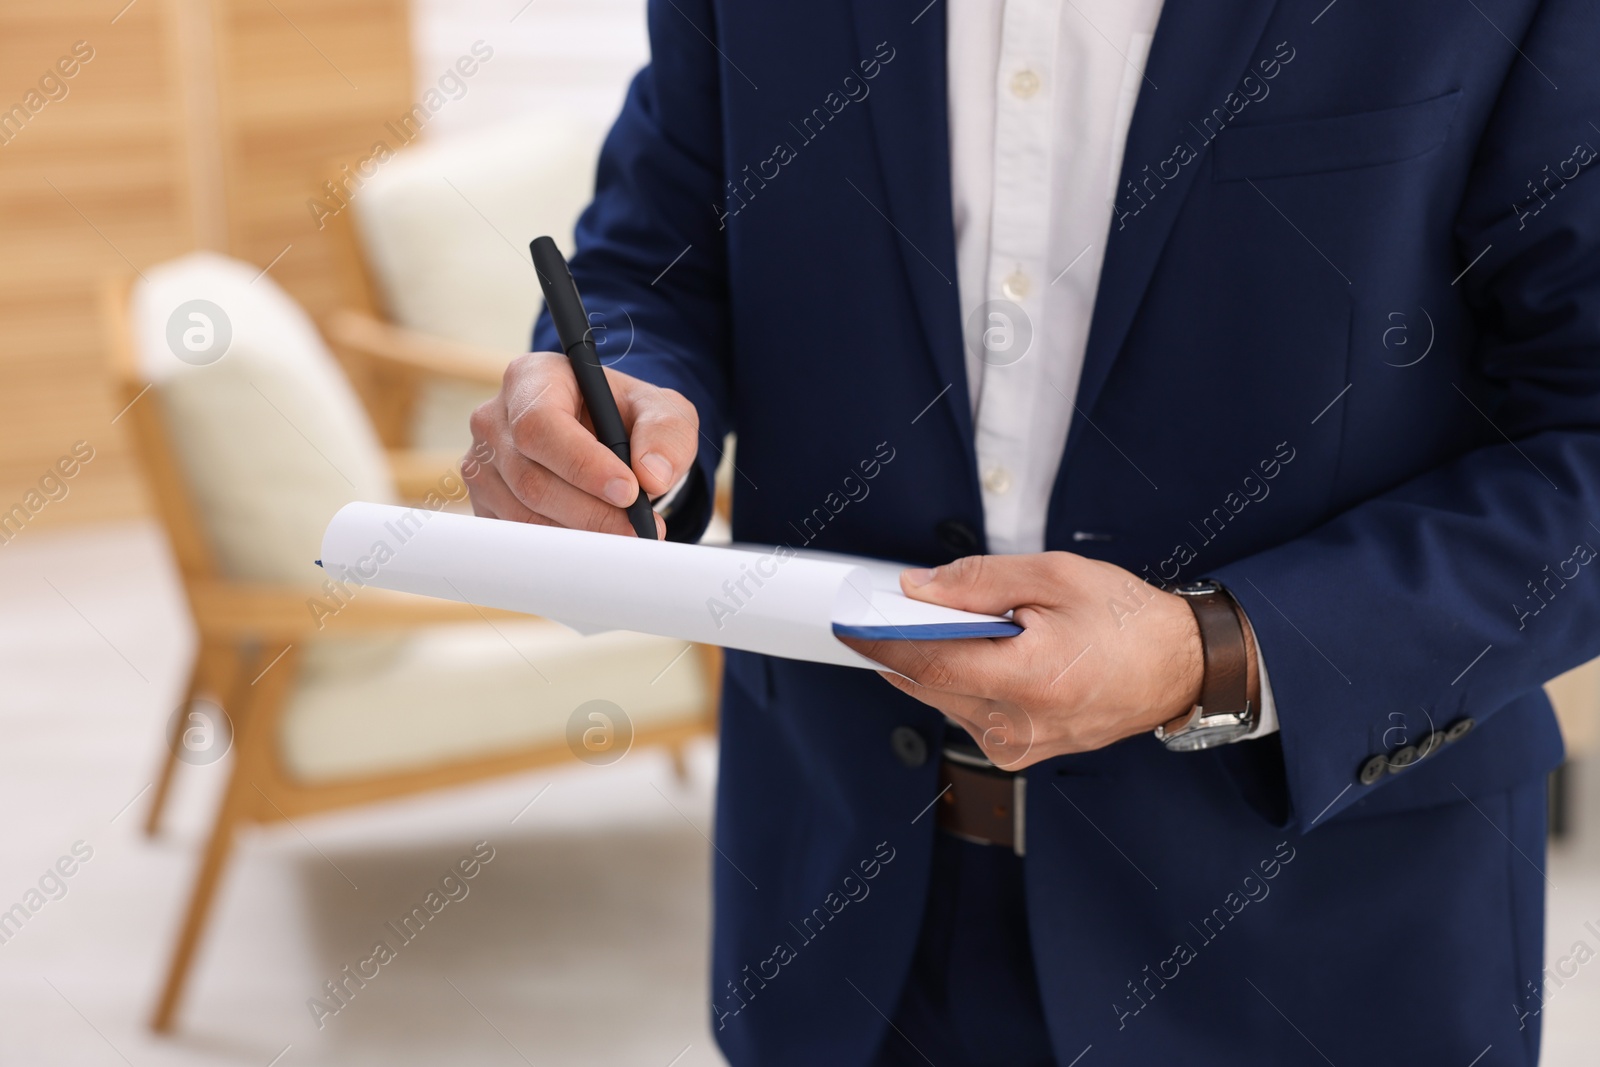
1373,769
1459,729
958,538
909,746
1430,744
1402,757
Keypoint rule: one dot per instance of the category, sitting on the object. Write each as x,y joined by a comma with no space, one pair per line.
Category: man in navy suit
1247,350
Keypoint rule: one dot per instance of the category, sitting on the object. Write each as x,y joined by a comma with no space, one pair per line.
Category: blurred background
261,258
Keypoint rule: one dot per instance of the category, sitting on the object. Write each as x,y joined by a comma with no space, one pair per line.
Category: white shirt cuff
664,501
1268,723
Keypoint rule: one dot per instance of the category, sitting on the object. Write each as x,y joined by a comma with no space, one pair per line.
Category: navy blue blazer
1345,358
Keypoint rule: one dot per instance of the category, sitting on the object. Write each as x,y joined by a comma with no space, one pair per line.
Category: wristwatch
1228,708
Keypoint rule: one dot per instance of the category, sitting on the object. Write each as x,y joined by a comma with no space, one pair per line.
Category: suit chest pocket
1340,142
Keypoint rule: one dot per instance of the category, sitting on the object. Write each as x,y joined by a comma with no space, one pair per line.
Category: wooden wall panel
196,123
91,182
305,85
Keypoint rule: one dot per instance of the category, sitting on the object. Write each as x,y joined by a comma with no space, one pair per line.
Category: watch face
1203,587
1206,737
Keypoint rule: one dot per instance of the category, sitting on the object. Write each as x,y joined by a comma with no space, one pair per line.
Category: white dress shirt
1041,94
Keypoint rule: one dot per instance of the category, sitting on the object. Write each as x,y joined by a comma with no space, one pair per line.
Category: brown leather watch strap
1228,708
1226,685
1252,660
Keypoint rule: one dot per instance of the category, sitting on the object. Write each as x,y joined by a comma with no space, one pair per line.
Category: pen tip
318,562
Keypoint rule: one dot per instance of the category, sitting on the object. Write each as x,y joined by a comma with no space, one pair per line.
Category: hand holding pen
546,466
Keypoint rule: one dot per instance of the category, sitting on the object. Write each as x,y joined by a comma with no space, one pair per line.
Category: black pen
572,324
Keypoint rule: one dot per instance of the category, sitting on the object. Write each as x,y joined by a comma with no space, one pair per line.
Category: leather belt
980,803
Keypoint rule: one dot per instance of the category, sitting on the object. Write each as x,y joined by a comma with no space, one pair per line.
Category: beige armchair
248,447
433,268
434,247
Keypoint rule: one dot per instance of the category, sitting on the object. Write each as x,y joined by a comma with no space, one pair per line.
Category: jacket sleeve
1467,587
651,260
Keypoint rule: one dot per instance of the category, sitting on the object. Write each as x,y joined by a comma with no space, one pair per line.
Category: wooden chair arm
235,611
419,352
418,472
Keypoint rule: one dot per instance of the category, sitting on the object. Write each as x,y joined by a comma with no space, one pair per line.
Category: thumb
990,585
663,432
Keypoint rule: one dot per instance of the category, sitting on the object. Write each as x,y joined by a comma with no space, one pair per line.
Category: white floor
582,942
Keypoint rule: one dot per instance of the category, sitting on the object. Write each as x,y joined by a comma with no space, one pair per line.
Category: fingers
559,502
905,658
513,487
547,465
541,407
485,487
1004,732
492,499
977,667
663,431
991,585
967,710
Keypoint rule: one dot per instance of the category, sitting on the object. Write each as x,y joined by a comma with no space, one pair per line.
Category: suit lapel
1202,49
910,122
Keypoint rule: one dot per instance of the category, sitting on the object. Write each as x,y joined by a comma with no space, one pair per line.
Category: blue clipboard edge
937,631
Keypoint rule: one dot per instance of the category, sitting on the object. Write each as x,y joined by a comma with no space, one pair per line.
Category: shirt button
997,481
1016,286
1024,83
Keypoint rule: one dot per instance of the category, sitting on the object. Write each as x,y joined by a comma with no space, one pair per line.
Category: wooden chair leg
152,822
256,710
215,672
201,899
680,762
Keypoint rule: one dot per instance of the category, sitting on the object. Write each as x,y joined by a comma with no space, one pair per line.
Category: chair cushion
445,226
270,436
272,441
453,692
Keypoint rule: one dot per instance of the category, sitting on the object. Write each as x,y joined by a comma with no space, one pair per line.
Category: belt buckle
1019,797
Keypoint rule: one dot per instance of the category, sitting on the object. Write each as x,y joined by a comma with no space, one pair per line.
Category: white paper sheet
751,597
